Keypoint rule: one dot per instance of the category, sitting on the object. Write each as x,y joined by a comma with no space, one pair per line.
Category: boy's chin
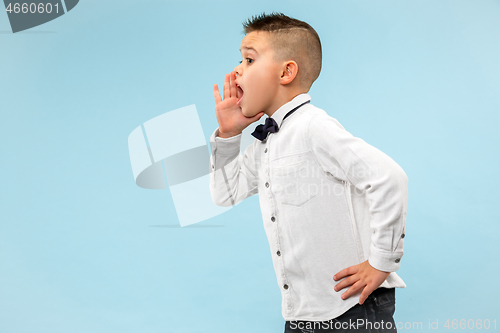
247,113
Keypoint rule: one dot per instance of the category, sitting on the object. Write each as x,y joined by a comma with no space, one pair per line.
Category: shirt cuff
227,146
224,150
383,260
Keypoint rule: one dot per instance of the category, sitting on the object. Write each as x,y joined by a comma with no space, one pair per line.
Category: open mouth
239,94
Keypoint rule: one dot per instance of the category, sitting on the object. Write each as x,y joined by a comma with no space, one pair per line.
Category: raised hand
229,115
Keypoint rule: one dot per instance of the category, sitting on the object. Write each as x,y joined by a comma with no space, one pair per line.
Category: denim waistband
380,291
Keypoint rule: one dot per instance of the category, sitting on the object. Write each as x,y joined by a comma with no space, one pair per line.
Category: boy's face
258,75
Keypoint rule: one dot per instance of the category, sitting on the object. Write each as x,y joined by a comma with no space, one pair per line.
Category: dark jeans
374,316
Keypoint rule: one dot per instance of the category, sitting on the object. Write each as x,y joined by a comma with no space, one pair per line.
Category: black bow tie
261,131
270,126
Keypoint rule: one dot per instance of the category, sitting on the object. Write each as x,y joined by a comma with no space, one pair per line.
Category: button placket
274,218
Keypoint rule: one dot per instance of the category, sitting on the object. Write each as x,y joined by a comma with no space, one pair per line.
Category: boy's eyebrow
249,48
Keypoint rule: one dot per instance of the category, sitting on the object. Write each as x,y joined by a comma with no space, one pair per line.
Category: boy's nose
237,70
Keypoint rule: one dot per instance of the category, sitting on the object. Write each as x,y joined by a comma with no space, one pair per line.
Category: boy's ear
289,72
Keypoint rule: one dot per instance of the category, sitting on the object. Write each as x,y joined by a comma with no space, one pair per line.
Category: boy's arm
233,177
386,186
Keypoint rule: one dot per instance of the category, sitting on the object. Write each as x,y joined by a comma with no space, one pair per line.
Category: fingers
366,292
230,89
353,289
232,82
345,272
346,282
227,93
217,94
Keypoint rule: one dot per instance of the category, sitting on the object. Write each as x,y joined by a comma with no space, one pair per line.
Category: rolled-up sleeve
385,183
233,177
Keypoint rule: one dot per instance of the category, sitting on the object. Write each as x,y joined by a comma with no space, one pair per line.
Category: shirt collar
283,110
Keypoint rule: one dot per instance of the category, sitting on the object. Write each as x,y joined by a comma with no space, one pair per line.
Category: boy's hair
291,39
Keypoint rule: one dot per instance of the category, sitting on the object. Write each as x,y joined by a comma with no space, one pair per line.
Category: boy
333,206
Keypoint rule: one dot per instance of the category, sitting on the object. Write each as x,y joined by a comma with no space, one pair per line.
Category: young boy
333,206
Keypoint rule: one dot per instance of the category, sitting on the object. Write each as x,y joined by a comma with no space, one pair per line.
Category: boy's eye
248,60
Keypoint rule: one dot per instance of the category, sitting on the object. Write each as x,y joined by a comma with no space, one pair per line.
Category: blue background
83,249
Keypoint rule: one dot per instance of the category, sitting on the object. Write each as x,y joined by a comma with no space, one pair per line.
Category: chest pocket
293,183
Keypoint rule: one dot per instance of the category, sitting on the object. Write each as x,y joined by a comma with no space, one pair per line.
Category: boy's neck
283,97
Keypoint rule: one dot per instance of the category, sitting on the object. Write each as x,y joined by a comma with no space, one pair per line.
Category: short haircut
291,39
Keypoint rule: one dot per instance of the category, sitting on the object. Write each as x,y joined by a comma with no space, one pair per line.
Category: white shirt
328,200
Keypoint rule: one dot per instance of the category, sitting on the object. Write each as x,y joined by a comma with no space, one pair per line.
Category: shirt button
267,184
397,260
265,150
278,253
285,286
402,235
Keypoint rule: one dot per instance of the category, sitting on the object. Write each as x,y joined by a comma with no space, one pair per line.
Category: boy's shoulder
313,118
309,125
